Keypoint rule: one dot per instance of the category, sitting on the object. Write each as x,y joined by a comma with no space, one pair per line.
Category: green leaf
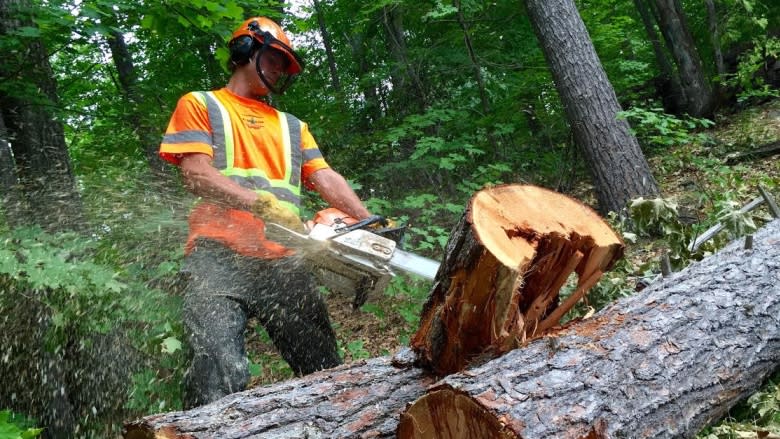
170,345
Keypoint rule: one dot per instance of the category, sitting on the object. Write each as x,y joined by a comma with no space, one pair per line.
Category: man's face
273,64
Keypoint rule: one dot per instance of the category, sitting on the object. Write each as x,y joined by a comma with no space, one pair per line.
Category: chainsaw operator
247,161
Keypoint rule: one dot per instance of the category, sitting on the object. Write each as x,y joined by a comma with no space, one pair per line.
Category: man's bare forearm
335,190
205,181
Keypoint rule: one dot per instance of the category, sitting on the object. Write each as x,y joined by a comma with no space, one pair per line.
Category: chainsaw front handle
373,219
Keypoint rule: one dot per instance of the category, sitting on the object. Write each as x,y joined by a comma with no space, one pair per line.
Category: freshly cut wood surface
664,363
505,263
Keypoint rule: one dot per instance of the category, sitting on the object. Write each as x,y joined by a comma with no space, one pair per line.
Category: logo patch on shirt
252,121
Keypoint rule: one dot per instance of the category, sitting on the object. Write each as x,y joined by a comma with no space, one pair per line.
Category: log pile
663,363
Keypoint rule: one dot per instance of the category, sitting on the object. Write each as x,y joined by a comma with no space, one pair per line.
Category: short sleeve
313,160
189,130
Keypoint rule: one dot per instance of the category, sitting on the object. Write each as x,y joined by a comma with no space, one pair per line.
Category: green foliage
14,426
80,294
408,123
655,128
267,366
758,416
752,64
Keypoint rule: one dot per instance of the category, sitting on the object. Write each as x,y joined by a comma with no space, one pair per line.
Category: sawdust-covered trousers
224,290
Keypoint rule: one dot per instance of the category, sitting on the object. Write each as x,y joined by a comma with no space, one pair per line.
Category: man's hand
270,210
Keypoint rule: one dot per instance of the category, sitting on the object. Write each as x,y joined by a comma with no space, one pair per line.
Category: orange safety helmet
269,34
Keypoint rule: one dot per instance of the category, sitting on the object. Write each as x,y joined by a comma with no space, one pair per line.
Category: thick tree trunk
697,90
667,85
663,363
363,399
506,261
37,139
619,170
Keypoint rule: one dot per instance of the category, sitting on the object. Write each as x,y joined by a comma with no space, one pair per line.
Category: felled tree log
664,363
362,399
505,263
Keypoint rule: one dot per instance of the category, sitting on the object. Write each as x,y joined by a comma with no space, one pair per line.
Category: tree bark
505,263
714,25
618,168
363,399
37,139
10,198
663,363
697,91
668,84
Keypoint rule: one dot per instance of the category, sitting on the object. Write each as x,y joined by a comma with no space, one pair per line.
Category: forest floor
692,175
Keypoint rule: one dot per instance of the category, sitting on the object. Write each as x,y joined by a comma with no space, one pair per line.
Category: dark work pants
224,290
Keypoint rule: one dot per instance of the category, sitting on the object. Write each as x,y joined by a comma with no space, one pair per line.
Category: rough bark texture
661,364
667,84
37,139
698,93
505,262
616,163
363,399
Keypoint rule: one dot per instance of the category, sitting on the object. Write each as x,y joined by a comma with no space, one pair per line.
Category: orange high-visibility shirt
257,143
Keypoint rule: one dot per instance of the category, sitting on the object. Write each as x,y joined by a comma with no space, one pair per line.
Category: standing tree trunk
149,137
326,41
37,139
367,83
668,84
616,163
475,65
405,77
714,27
697,91
10,198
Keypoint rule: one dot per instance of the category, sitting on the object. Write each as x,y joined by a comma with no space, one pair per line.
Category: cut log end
448,414
507,260
511,220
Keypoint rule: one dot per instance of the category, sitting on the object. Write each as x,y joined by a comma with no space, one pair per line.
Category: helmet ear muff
241,49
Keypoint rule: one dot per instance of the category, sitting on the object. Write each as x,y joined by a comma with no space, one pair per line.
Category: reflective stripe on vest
287,190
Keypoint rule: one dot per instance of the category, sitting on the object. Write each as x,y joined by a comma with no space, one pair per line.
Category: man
247,161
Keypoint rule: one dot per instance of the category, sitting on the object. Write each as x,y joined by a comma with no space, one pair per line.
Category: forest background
418,103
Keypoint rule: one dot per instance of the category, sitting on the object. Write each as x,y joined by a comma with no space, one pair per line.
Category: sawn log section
662,363
505,263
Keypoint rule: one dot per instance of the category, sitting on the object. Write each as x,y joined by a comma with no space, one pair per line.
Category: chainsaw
352,256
